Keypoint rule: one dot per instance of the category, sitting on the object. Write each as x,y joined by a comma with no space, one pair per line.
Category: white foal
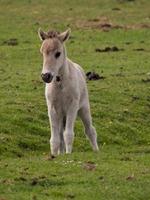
66,93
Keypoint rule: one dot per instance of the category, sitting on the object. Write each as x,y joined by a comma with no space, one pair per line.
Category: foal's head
53,52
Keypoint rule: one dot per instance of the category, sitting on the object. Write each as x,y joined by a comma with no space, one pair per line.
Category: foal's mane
52,34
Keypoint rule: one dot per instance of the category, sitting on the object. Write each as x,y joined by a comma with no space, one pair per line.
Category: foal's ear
42,34
65,35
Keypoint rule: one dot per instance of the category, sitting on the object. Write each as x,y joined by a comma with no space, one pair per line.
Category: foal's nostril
47,77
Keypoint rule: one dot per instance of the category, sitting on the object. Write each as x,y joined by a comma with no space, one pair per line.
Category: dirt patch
93,76
11,42
139,49
21,178
147,80
128,43
135,98
104,23
89,166
108,49
121,1
116,9
7,181
101,177
130,178
34,181
50,157
70,196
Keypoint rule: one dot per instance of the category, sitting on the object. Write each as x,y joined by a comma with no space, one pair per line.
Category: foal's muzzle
47,77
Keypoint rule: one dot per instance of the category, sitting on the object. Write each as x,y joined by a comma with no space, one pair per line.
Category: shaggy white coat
67,97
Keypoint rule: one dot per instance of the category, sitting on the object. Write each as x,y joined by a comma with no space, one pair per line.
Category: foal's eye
57,54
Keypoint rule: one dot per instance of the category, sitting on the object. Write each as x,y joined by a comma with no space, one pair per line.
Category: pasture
110,37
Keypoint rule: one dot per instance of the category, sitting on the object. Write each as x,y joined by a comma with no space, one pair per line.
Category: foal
66,93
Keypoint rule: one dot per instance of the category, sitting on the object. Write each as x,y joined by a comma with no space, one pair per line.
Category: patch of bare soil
70,196
121,1
139,49
89,166
93,76
105,24
50,157
21,178
11,42
7,181
34,181
130,178
147,80
116,9
135,98
108,49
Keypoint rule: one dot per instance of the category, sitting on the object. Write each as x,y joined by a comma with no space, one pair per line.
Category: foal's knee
90,130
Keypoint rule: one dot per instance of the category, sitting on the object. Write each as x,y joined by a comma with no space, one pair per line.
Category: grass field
120,103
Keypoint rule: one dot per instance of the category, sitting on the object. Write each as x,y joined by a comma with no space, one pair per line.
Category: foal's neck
64,70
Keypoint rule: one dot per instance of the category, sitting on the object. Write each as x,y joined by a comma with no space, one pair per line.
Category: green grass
120,103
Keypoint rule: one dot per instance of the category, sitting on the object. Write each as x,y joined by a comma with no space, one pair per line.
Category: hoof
51,157
96,149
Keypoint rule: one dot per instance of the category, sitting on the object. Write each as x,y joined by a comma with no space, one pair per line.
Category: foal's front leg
55,124
69,128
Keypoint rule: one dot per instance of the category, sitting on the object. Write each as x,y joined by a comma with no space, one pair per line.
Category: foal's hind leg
85,115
